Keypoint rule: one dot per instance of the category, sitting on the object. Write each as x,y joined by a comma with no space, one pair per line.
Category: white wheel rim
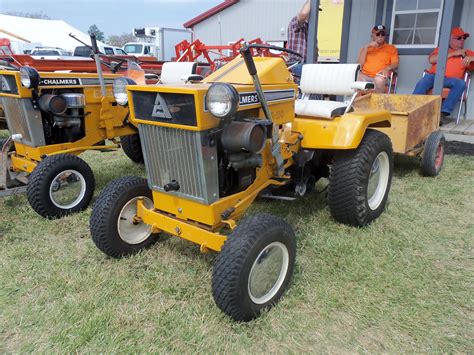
131,231
268,272
67,189
378,180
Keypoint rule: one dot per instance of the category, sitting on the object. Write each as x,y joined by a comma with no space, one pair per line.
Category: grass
403,284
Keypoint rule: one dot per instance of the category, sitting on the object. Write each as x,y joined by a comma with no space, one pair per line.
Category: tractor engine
239,154
62,116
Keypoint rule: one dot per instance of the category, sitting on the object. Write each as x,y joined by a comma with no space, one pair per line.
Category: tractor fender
342,132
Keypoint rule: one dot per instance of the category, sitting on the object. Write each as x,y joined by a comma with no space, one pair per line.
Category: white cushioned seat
319,108
177,72
328,79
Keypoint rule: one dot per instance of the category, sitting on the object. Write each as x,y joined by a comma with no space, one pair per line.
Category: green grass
403,284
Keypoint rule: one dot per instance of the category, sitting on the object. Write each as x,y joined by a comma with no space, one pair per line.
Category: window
416,23
109,51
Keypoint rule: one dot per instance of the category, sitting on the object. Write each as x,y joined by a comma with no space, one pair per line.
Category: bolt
180,210
178,230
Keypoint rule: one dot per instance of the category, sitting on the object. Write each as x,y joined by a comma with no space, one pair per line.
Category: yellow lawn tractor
53,117
211,148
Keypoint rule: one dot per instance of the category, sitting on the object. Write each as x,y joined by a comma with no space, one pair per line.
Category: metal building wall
249,19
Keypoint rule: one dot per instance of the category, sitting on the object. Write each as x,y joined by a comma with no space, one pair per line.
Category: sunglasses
461,38
380,34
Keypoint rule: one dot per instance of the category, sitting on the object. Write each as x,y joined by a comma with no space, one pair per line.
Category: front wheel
359,180
60,185
114,227
254,267
433,154
132,148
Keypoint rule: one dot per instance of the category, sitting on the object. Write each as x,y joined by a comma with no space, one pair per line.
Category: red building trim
205,15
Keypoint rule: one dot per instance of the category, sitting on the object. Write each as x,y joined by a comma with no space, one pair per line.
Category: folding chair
464,96
391,85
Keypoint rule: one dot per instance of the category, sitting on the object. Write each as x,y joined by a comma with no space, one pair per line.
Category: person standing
298,38
377,59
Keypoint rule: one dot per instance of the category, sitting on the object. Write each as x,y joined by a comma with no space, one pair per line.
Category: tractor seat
329,79
177,72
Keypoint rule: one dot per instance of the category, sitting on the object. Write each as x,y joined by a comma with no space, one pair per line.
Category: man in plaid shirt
298,37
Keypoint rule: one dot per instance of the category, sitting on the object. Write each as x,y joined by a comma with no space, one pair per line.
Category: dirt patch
459,148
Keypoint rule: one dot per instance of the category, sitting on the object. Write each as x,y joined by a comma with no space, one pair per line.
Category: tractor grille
184,156
23,119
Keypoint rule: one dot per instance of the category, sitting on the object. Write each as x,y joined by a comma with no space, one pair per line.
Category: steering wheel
280,49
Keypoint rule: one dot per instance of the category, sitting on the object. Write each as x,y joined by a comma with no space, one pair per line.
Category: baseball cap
377,28
459,32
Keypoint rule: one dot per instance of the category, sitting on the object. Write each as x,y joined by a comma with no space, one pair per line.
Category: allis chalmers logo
59,81
4,86
160,109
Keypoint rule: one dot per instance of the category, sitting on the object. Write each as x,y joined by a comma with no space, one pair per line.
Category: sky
114,17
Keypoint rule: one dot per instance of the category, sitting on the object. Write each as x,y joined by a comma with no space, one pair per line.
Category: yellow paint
343,132
330,29
104,119
194,233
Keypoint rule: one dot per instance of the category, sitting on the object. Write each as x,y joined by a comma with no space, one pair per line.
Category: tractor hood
271,71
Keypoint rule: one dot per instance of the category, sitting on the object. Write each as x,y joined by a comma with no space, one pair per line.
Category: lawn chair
391,85
464,96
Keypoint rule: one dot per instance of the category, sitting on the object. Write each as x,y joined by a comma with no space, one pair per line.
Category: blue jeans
456,88
297,69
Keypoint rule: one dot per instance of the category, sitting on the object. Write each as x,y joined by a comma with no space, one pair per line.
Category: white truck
157,42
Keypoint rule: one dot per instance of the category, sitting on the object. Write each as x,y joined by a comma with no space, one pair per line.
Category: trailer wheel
433,154
132,147
359,180
254,267
113,226
60,185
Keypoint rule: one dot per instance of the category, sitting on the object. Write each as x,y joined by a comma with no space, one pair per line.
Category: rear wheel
433,154
255,266
114,227
60,185
132,147
359,181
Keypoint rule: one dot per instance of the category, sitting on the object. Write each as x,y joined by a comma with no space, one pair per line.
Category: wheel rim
268,272
378,180
131,231
439,157
67,189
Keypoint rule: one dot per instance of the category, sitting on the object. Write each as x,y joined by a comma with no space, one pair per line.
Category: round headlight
222,100
29,77
120,89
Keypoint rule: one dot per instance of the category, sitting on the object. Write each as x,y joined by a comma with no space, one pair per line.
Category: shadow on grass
405,165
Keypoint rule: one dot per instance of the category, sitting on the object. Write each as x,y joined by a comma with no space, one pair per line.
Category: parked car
84,51
49,52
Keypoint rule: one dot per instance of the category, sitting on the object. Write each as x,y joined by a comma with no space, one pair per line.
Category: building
49,33
414,26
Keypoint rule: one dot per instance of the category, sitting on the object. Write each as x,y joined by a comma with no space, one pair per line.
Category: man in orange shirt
459,59
377,59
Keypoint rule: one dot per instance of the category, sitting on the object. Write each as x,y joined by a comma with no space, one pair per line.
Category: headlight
120,89
222,100
29,77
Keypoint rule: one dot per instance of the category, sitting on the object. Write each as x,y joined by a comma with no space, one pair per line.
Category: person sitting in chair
459,59
377,59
